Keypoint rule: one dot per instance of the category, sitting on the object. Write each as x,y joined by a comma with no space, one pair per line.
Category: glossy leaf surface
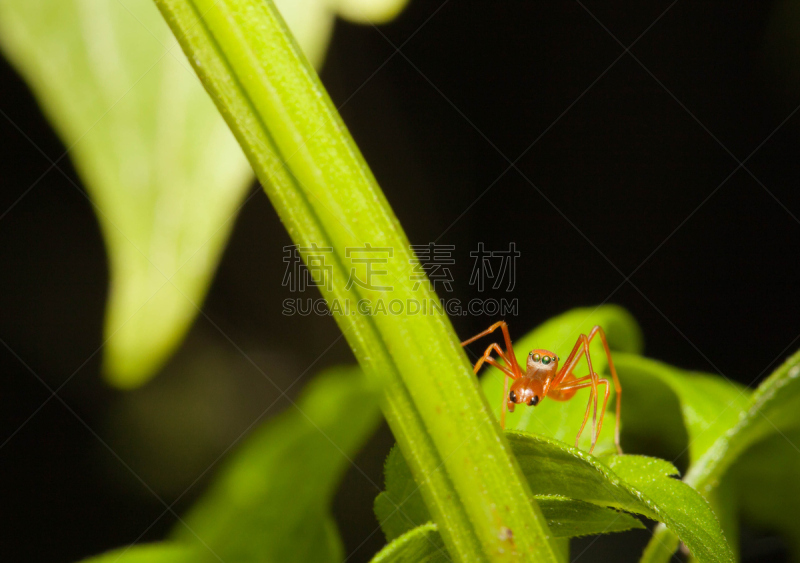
633,484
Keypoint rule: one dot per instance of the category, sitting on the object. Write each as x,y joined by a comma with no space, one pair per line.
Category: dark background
625,168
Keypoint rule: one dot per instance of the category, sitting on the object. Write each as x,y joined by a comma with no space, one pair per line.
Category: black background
626,165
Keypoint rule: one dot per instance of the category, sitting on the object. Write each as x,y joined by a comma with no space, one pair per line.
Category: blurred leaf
311,21
164,172
155,553
557,472
767,488
772,410
561,420
710,405
652,421
369,11
275,492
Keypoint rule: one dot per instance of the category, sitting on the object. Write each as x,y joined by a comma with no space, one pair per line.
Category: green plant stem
325,194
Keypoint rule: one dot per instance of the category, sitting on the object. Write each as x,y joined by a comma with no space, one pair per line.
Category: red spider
542,378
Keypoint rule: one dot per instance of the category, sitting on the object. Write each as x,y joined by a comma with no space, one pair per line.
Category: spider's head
542,364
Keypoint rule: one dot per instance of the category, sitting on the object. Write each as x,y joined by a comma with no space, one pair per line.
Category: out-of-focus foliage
275,492
748,461
709,405
369,10
765,488
164,173
153,553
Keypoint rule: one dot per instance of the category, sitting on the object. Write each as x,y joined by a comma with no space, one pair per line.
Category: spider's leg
581,384
510,356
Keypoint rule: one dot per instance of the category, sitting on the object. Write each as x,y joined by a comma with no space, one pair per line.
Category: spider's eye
536,357
534,400
512,397
546,360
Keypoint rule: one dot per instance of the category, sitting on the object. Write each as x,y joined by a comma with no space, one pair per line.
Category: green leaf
632,483
676,504
709,404
164,173
275,492
771,410
154,553
311,21
325,195
400,508
671,411
420,545
556,472
569,518
561,420
369,11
